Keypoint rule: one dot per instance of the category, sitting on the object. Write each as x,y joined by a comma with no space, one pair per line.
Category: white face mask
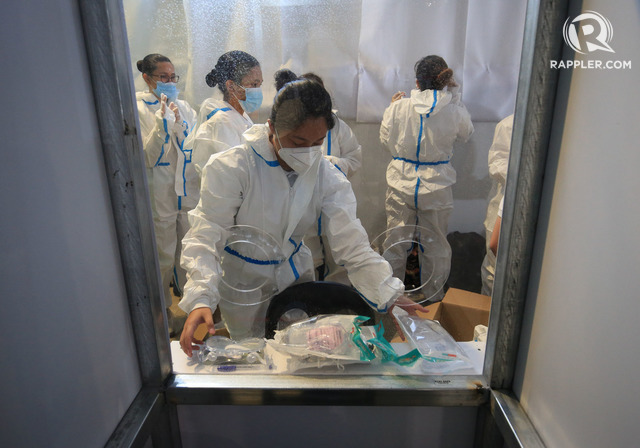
299,159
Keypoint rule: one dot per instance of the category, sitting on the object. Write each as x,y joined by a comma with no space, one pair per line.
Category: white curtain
365,50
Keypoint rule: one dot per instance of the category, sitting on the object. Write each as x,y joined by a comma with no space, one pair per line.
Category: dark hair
298,101
150,62
432,72
313,77
233,65
284,76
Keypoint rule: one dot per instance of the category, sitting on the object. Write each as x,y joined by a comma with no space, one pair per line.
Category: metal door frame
152,414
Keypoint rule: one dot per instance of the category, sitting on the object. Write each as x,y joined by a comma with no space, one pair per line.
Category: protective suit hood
429,101
256,134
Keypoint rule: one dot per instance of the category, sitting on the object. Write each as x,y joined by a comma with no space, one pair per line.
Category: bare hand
398,96
195,318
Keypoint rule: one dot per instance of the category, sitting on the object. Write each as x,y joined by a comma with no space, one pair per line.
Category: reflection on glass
364,51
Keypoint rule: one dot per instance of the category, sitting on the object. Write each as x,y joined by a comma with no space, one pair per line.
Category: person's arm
465,126
386,126
499,151
495,236
369,273
185,120
220,199
350,159
156,131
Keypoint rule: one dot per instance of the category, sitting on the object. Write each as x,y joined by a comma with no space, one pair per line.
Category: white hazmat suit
173,182
247,186
342,149
498,164
419,132
221,129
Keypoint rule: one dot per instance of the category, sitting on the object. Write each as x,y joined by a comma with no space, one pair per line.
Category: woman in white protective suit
419,132
341,148
221,122
165,122
279,182
498,164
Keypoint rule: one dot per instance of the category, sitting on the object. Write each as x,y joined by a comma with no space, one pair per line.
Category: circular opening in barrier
248,258
418,255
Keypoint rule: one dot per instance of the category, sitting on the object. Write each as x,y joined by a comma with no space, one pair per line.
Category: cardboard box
459,312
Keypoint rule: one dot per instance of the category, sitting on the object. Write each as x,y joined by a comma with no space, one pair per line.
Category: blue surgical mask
254,99
168,88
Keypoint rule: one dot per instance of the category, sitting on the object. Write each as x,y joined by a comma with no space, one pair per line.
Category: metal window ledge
338,390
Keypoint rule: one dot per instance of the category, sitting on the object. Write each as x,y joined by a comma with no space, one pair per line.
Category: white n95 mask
300,159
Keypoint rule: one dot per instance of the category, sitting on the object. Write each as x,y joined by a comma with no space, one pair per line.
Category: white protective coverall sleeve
156,130
465,125
369,273
499,151
342,149
385,127
200,257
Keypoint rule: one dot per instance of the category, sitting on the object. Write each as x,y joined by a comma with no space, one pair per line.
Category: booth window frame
152,415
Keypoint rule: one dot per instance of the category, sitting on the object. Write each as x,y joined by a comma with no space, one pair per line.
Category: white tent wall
365,50
579,356
69,365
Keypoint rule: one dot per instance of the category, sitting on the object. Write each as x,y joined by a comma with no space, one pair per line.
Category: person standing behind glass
165,122
419,132
279,182
222,122
341,148
498,164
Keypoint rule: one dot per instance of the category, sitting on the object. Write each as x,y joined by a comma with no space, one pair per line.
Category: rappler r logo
588,32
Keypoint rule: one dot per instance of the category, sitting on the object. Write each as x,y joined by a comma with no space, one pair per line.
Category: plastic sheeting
364,49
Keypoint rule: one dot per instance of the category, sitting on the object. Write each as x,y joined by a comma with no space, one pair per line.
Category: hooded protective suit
419,132
247,186
173,182
498,164
221,128
342,149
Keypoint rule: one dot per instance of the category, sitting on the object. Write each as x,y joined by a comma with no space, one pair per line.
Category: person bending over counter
279,182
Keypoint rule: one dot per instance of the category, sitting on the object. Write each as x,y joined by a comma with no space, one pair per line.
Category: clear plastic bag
439,351
323,340
218,350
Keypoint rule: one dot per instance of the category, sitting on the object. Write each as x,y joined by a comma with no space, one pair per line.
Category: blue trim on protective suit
268,162
175,279
435,101
291,263
248,259
417,163
149,103
184,166
371,304
319,225
214,111
419,139
166,140
329,142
